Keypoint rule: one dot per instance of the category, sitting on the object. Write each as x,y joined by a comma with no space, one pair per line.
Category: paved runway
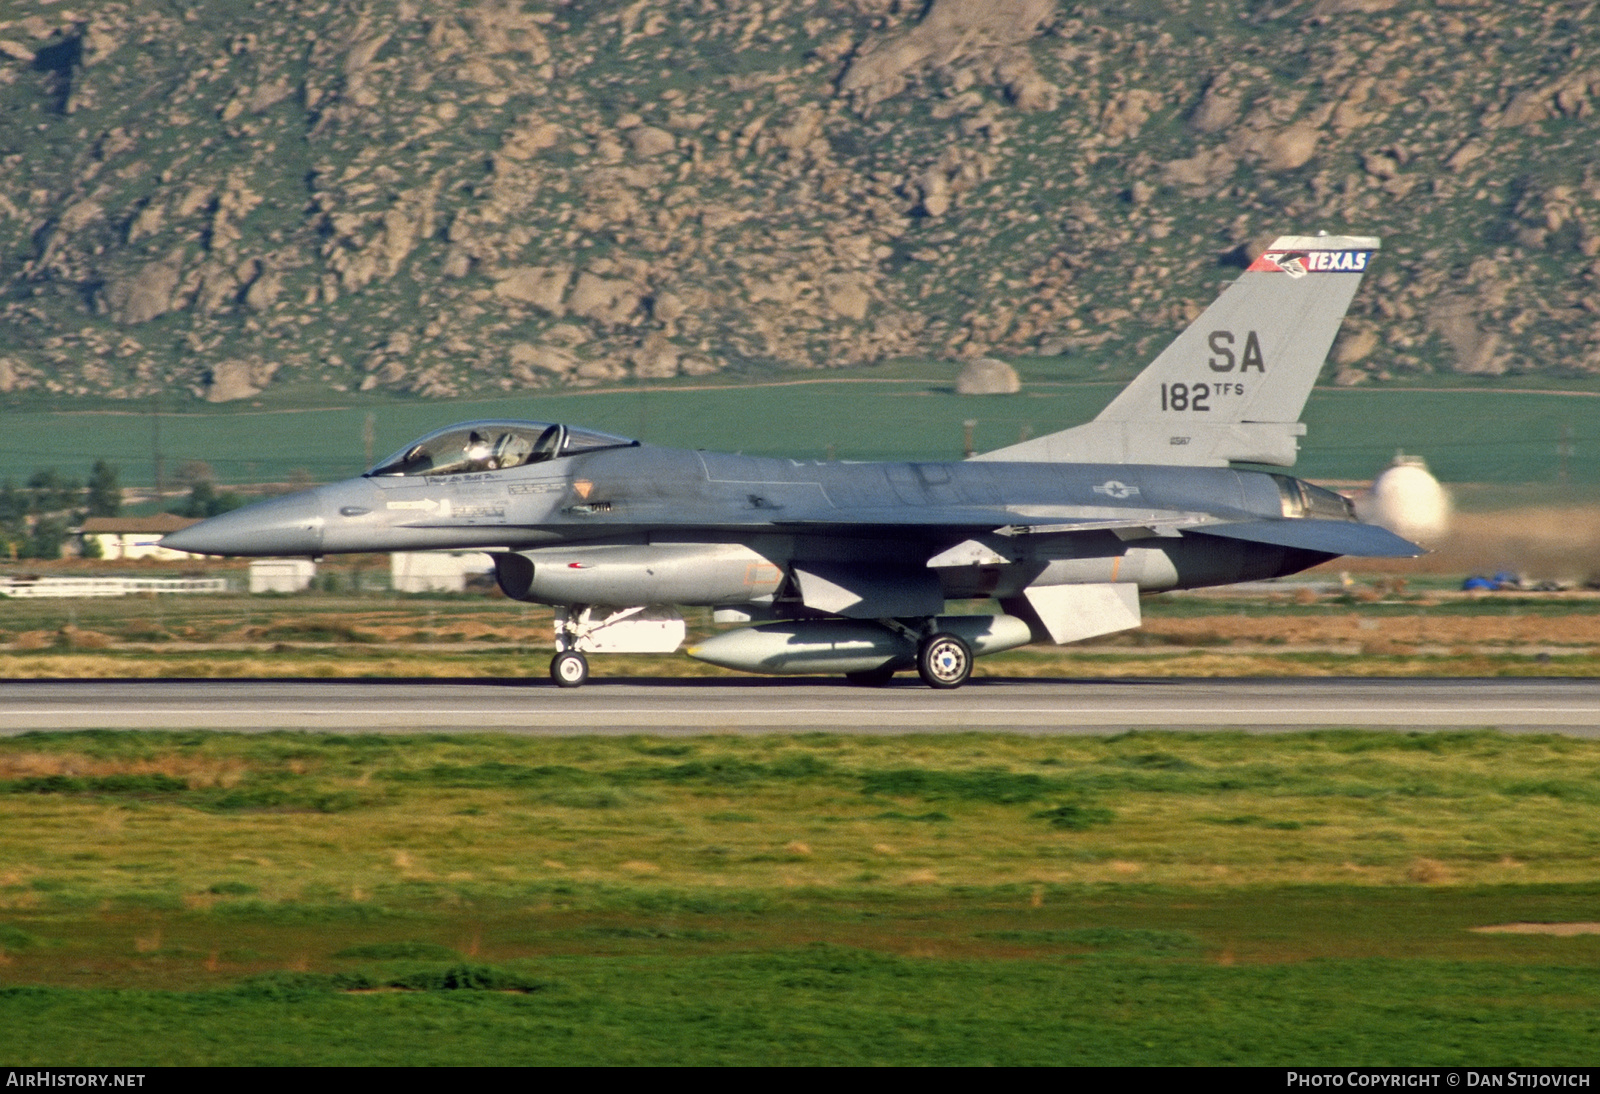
765,705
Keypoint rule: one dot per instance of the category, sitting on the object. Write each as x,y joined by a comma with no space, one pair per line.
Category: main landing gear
944,660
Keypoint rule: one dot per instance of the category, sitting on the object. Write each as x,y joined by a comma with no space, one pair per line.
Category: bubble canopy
493,446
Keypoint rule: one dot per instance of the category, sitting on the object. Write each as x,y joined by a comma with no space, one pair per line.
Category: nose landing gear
569,669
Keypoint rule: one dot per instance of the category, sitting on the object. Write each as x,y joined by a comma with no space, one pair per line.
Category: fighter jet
847,568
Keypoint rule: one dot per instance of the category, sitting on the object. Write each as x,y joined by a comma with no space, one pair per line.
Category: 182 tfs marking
1195,396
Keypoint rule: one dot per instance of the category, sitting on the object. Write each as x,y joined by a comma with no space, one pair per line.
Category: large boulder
1292,148
1355,345
607,300
541,286
526,357
847,297
986,376
950,30
649,141
1218,109
1476,352
655,358
234,379
140,296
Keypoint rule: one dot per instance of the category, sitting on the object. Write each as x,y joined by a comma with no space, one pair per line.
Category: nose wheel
944,661
569,669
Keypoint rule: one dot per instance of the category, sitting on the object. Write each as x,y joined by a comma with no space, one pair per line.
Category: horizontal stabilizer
1329,537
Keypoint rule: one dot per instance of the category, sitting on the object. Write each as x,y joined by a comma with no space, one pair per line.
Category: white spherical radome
1409,501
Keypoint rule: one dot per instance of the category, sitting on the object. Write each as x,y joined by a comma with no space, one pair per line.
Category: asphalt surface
760,705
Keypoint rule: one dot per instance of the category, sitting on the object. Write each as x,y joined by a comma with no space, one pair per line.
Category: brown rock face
1452,317
446,196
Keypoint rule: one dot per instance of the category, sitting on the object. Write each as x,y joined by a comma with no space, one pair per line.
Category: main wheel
944,660
870,678
569,669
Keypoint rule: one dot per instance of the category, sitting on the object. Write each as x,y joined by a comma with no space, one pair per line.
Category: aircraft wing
985,517
1332,537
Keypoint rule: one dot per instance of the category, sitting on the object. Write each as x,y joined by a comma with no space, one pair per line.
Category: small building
122,538
435,571
281,575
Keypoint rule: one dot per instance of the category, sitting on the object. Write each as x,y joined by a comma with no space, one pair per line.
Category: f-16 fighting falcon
847,567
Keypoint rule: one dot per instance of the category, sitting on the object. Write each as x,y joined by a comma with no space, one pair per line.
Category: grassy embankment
173,898
1376,628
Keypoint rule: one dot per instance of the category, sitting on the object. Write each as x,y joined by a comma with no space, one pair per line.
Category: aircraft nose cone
282,526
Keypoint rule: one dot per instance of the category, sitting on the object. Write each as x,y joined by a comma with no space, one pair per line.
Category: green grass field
1145,898
1469,432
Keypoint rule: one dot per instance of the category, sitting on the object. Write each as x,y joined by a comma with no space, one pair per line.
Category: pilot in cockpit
479,455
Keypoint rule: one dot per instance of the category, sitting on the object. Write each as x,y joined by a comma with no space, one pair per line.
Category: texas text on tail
847,567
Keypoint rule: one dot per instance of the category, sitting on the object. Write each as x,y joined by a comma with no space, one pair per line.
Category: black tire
944,661
569,669
870,678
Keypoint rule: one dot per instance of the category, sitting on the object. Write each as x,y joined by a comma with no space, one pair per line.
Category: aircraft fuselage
789,510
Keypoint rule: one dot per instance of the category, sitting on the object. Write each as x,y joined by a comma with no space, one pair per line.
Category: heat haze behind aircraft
847,567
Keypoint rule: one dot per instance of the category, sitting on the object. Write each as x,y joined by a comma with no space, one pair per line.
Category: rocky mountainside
448,197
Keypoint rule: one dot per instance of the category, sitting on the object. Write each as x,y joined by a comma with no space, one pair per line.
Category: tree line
37,519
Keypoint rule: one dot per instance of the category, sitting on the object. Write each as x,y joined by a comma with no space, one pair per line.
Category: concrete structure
135,537
435,571
281,575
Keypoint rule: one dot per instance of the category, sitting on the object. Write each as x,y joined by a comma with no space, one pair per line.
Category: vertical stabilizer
1231,387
